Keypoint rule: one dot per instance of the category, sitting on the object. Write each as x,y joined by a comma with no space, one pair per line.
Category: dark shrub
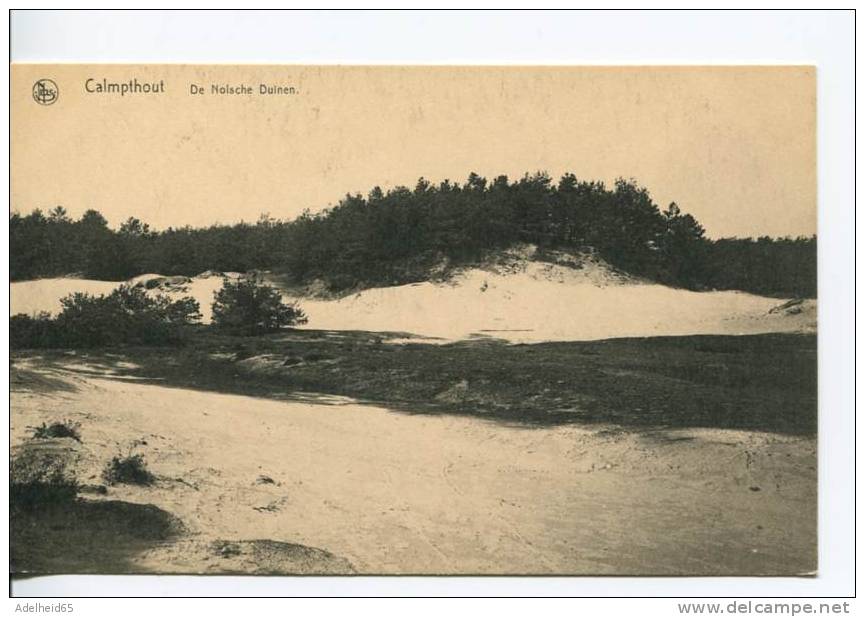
67,428
126,316
128,470
49,490
40,479
32,332
184,311
249,306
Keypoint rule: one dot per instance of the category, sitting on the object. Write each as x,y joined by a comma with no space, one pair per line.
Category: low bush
126,316
38,331
130,469
250,307
67,428
39,480
49,490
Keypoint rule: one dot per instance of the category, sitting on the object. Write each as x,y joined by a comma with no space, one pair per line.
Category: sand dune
549,305
520,300
32,297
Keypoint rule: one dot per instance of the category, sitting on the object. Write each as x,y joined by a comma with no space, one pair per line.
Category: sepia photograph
413,320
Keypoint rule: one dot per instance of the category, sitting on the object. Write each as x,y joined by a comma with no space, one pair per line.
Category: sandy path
399,493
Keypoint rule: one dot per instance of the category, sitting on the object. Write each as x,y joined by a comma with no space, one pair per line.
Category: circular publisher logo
45,92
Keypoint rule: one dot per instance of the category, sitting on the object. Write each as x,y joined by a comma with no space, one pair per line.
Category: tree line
397,236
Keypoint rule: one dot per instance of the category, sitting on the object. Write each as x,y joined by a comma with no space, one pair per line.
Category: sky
734,146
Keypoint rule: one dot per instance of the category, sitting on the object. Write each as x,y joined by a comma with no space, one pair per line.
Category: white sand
535,306
402,493
526,301
32,297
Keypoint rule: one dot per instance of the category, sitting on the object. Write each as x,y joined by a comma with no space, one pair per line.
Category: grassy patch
130,469
762,382
53,530
66,428
89,537
40,478
47,490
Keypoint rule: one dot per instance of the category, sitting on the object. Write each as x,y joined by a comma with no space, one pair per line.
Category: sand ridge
518,299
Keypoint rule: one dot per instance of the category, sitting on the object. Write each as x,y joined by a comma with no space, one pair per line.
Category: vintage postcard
426,320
